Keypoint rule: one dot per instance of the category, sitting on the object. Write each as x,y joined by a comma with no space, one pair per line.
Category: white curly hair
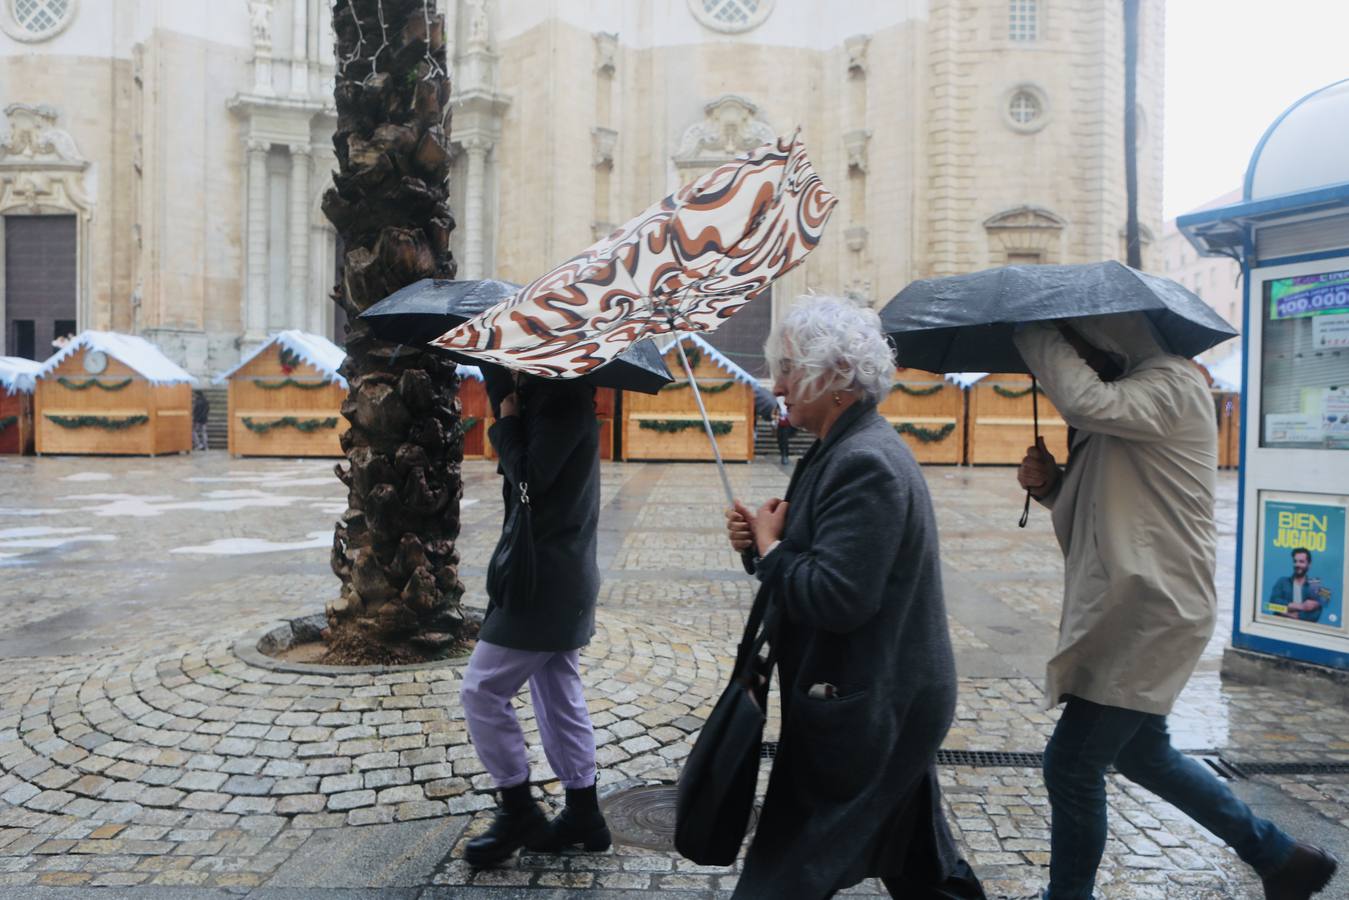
836,345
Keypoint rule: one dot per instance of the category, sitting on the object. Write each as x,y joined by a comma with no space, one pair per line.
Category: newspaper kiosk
1290,234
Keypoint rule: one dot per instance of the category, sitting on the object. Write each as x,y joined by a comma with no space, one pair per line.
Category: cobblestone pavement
138,751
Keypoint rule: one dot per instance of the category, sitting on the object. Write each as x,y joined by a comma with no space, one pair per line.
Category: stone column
299,236
255,312
299,49
475,198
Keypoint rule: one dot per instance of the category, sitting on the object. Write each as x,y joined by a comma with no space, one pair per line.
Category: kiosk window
1304,393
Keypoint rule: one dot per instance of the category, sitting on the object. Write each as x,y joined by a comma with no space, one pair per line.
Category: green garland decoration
291,382
289,358
694,356
670,426
467,424
304,425
104,422
1013,393
926,435
714,389
93,382
916,392
7,421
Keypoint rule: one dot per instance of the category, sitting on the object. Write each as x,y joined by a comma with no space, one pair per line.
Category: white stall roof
314,349
134,352
18,375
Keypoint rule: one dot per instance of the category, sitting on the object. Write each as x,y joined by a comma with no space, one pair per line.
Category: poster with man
1302,555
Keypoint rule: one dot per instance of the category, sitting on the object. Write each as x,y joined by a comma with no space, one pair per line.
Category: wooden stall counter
116,394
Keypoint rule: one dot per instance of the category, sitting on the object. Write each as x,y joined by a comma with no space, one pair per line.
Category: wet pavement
138,751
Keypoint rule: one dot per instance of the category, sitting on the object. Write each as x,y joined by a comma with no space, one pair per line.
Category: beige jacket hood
1133,514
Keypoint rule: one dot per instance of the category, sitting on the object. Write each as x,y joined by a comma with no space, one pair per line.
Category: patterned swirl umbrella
686,264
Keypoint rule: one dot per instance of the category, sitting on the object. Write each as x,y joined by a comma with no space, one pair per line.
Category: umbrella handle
1035,419
707,425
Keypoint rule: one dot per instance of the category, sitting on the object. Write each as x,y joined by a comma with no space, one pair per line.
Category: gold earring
838,401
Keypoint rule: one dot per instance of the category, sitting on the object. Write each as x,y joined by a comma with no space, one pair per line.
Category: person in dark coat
547,431
201,414
858,625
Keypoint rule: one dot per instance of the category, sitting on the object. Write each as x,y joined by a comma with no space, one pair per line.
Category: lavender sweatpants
494,676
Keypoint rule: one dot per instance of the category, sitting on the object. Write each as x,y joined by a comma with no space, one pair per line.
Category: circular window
1027,109
731,15
36,20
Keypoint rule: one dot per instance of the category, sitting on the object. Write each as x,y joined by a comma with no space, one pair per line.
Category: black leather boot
580,822
518,821
1308,870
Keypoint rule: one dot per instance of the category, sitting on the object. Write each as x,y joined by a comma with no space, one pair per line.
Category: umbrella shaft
707,425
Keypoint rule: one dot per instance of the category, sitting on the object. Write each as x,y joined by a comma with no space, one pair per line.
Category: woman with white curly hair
858,626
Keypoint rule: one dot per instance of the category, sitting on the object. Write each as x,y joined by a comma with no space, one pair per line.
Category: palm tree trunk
1133,248
394,548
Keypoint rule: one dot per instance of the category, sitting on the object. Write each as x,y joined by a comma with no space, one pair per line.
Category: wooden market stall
16,403
110,393
285,398
1225,378
1227,406
1001,424
476,415
928,411
668,426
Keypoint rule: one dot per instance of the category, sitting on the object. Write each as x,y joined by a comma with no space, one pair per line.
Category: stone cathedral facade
162,162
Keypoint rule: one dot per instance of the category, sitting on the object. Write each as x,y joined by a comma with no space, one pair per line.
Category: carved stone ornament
260,20
858,290
1025,218
41,168
603,140
856,47
1026,229
855,142
606,52
479,25
856,238
729,127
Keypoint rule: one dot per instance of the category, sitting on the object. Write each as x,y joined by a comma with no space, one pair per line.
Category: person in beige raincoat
1133,513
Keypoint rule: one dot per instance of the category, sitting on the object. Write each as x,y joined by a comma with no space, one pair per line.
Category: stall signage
1309,295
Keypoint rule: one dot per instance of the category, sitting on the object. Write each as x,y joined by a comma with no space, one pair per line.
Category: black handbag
510,573
715,793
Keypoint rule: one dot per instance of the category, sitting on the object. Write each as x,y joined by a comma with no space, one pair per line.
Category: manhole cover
645,817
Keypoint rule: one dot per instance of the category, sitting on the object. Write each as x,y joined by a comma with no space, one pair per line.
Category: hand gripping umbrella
424,310
686,264
966,322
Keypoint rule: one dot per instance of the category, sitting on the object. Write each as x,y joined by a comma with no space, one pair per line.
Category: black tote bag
715,794
510,573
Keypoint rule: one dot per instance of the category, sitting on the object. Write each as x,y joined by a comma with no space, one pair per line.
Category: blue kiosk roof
1298,167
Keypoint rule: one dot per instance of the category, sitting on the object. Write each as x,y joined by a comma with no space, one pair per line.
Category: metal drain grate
1248,769
989,758
1222,767
645,816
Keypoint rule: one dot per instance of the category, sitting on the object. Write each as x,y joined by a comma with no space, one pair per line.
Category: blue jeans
1088,739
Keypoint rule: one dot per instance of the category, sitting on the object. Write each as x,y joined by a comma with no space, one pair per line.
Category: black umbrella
965,322
423,311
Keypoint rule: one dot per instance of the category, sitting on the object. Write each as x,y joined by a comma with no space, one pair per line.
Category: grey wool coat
856,603
555,440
